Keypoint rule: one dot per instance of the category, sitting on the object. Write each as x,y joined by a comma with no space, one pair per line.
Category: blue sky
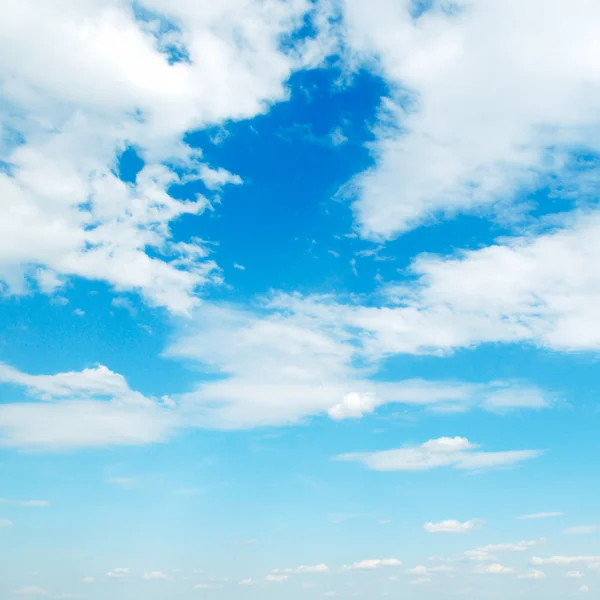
299,299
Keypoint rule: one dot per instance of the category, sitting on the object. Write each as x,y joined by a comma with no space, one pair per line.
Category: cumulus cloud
474,115
297,357
370,564
456,453
93,407
124,83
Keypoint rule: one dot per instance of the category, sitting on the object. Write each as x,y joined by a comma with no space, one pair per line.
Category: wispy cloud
456,453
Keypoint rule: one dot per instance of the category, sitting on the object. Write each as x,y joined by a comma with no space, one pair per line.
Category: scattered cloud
442,149
118,573
457,453
370,564
5,523
533,574
453,526
561,561
78,218
544,515
494,569
320,568
581,530
89,408
574,575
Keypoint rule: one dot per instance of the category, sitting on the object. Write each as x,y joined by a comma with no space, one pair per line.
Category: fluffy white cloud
495,569
157,575
118,573
369,564
137,77
452,526
353,405
457,453
297,357
475,114
94,407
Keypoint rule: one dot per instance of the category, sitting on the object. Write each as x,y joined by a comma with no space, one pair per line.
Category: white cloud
320,568
584,588
574,575
545,515
484,117
215,179
353,405
295,357
452,526
457,453
88,580
518,547
5,523
561,561
118,573
93,407
157,575
117,87
276,578
581,530
365,565
533,574
495,569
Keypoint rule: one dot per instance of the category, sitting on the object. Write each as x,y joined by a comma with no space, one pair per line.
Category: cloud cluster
88,79
474,115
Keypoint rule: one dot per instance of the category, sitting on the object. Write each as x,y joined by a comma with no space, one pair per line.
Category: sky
299,299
